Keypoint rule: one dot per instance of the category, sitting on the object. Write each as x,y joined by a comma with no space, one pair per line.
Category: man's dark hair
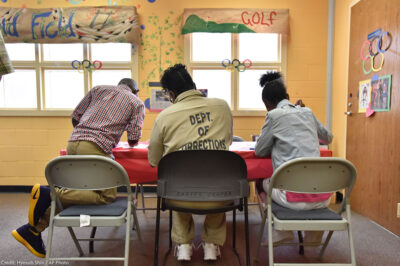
274,89
177,79
130,83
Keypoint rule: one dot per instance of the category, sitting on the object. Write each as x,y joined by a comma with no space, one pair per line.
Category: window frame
280,64
39,65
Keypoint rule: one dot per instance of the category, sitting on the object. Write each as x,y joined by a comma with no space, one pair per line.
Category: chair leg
136,191
91,242
350,235
50,234
157,232
270,241
142,195
260,235
234,236
301,247
260,203
78,246
127,235
170,230
136,223
170,239
328,238
234,230
246,227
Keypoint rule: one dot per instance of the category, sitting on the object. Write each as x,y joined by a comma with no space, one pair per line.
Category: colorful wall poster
380,93
235,20
364,94
70,25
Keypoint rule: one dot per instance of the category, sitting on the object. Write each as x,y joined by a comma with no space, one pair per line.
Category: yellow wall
27,143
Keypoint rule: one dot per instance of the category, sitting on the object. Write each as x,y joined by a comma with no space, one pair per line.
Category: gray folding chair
89,172
310,175
206,175
140,187
237,139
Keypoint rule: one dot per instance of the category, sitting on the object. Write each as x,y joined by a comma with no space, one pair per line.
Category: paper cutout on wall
236,20
369,111
161,46
364,94
147,103
380,93
69,25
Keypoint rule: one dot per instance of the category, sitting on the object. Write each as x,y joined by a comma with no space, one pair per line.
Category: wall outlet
398,210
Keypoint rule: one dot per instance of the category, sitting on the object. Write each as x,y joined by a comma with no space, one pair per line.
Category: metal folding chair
310,175
202,176
89,172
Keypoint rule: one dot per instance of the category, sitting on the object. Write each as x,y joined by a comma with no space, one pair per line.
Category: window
208,57
49,81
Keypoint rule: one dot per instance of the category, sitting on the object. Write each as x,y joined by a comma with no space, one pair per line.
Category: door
373,143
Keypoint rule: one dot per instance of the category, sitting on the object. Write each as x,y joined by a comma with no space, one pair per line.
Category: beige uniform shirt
193,122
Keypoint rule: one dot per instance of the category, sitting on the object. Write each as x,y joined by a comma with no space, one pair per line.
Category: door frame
352,3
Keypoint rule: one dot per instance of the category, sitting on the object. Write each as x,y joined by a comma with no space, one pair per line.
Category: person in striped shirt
99,121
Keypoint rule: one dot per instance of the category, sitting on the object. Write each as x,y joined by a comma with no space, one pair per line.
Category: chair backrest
314,175
86,172
202,175
237,139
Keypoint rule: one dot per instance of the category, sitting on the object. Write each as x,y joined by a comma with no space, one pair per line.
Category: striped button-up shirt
105,113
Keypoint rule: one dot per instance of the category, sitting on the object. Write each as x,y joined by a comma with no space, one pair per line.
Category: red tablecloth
134,160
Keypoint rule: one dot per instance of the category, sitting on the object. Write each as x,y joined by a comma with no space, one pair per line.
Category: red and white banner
258,20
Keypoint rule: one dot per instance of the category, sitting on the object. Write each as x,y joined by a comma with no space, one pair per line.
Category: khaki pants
214,228
78,197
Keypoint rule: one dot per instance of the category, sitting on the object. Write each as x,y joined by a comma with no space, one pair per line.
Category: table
134,160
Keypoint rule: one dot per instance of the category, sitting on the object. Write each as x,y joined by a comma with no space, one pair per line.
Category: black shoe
31,239
40,201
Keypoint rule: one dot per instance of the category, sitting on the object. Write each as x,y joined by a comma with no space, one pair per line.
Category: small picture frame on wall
158,100
364,97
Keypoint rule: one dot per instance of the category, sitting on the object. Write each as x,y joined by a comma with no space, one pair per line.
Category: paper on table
125,145
242,146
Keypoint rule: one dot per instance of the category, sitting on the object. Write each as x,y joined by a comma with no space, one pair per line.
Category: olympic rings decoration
372,68
380,42
373,63
236,64
372,53
377,42
363,66
362,49
86,65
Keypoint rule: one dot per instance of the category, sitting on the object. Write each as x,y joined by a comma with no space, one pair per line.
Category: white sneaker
183,251
211,251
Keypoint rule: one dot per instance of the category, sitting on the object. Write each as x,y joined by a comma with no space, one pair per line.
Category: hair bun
268,77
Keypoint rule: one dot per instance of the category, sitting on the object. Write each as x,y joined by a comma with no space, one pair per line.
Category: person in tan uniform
193,122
